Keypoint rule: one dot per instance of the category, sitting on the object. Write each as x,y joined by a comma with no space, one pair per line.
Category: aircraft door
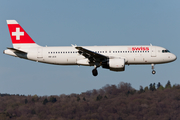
153,51
40,53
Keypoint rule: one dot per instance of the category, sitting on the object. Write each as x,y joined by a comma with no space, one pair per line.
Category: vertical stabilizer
19,37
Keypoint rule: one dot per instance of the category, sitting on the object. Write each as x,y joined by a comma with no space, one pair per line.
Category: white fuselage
70,55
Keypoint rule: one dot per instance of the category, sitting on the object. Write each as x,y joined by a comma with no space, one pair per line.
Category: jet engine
115,64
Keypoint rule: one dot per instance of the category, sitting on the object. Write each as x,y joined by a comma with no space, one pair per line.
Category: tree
84,98
127,104
151,87
168,85
105,97
78,98
158,85
35,98
45,101
154,86
26,101
161,88
98,98
32,100
52,99
146,88
141,89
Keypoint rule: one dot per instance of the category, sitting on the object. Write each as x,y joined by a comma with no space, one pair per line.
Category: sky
87,23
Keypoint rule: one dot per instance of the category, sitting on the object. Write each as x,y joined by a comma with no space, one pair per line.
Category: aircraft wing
91,55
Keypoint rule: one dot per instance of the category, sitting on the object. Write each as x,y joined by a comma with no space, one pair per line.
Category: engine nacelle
115,65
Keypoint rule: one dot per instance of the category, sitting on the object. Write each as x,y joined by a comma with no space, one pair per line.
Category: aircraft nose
173,57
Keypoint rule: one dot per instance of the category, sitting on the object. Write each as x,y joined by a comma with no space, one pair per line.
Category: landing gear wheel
95,72
153,72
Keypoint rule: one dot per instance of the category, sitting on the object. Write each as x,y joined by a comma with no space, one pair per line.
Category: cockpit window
165,51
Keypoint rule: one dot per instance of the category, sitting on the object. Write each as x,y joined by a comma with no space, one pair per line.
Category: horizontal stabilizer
17,51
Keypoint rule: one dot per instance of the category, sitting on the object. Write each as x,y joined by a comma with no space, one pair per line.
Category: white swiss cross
17,33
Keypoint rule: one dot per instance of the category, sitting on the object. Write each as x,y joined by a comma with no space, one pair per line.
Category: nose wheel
153,71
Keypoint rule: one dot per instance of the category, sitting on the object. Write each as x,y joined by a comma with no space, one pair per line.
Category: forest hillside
111,102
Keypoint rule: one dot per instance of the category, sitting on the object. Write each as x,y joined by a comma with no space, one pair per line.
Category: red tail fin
18,35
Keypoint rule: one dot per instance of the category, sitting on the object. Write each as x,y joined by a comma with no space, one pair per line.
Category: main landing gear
153,71
94,71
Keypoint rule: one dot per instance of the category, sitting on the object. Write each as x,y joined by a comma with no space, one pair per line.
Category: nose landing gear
153,71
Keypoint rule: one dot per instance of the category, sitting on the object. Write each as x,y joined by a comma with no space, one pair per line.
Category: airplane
113,58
